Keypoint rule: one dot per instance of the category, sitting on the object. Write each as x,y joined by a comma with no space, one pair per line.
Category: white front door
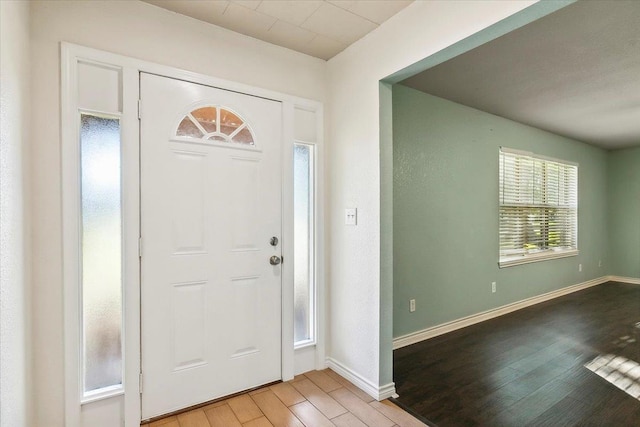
210,205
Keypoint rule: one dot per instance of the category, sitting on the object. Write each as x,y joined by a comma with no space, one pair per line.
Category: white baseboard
632,280
434,331
379,393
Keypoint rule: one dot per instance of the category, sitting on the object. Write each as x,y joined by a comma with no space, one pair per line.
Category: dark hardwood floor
527,368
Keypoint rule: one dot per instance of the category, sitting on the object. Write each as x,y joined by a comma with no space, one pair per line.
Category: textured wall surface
15,399
624,214
359,310
360,302
446,211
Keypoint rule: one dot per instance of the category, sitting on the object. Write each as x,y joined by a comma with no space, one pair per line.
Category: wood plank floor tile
195,418
350,386
275,411
324,381
260,390
562,413
258,422
222,416
318,398
360,409
244,408
396,414
165,422
528,408
310,415
527,367
348,420
288,394
300,403
297,378
214,405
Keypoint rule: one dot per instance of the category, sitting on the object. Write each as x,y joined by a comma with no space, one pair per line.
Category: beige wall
15,399
142,31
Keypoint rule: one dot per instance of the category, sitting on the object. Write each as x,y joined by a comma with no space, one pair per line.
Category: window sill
304,344
102,393
527,259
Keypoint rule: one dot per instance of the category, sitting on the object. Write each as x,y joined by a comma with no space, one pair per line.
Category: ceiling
319,28
575,72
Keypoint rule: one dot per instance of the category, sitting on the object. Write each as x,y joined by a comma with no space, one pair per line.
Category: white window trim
131,67
303,361
537,156
542,256
528,258
118,389
312,342
75,399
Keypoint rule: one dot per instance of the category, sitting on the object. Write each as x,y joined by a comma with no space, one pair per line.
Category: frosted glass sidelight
303,262
101,253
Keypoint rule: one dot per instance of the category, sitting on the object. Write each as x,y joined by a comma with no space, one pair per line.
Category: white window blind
538,208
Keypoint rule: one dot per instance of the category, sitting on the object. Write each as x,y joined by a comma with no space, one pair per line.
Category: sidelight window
101,255
304,254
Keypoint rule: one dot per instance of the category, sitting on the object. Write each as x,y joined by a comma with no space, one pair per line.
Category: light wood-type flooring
315,399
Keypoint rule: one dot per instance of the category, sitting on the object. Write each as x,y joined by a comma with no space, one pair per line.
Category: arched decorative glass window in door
215,123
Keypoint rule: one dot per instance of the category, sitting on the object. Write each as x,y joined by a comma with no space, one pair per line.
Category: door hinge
140,247
140,383
139,109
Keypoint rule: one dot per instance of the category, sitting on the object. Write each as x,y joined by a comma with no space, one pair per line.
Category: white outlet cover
351,216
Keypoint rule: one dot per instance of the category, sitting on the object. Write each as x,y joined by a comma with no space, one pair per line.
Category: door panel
211,301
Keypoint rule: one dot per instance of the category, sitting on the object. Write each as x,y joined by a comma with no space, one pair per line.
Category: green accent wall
445,212
624,212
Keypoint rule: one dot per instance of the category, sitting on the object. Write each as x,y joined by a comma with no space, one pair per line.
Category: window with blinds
538,208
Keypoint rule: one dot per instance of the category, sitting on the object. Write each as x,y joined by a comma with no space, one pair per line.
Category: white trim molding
632,280
71,55
377,392
434,331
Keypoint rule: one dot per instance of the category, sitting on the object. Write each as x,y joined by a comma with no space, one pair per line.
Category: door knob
275,260
273,241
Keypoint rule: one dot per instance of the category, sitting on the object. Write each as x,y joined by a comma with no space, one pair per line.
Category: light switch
351,216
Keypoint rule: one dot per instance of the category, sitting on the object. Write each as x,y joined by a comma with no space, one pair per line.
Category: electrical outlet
493,287
412,305
579,267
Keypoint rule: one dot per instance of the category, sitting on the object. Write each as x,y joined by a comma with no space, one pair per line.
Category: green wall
445,212
624,212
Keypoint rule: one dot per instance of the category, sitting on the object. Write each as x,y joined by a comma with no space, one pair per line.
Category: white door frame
130,68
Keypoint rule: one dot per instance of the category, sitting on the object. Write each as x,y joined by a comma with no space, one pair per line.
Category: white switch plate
351,216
